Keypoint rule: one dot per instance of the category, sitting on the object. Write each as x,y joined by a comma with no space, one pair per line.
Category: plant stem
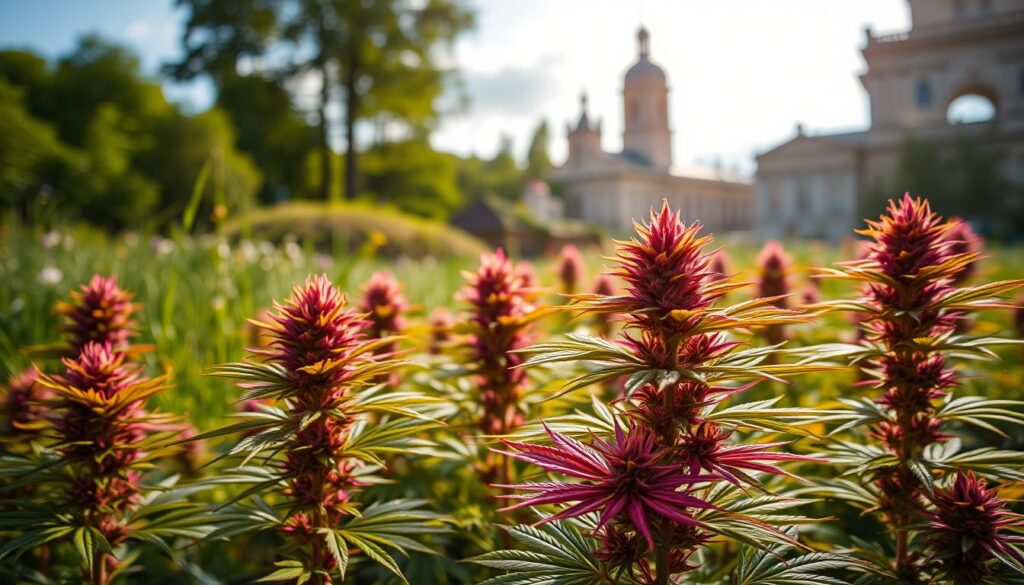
661,554
901,549
99,571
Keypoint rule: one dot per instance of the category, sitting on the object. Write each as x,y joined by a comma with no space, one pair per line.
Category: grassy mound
351,226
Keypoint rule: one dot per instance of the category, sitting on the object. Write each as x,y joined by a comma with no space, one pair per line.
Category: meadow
197,294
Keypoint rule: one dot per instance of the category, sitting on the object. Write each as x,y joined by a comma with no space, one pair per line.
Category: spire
643,42
584,123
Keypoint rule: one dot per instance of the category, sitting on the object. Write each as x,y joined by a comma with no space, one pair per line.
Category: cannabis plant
645,489
901,447
89,482
307,457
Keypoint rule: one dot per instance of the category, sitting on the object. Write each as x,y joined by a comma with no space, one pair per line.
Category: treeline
969,175
89,136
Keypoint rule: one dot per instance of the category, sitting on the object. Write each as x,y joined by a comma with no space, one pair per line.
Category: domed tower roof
584,122
644,68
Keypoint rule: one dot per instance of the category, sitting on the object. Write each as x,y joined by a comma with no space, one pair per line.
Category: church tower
584,139
645,98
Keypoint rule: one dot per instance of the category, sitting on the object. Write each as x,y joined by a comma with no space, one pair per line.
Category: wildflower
100,311
50,275
603,287
22,409
570,268
441,323
721,266
773,265
384,305
971,527
965,241
630,476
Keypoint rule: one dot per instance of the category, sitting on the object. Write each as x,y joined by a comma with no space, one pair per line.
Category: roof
854,140
645,69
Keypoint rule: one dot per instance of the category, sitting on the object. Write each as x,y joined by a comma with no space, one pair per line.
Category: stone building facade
811,186
611,189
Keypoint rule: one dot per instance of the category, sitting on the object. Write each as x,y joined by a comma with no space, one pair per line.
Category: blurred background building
611,189
949,92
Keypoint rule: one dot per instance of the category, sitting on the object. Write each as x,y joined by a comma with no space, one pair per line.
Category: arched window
924,94
970,108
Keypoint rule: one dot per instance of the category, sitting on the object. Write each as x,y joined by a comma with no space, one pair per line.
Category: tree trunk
351,116
326,164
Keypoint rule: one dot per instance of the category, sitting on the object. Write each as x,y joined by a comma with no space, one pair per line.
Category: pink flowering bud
721,266
964,241
22,405
971,528
630,476
100,312
570,268
312,330
441,324
773,265
384,305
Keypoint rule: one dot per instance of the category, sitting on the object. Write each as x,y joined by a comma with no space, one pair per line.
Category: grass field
197,294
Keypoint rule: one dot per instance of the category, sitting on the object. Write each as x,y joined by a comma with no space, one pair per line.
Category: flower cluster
970,528
500,299
964,240
23,411
441,323
570,268
604,286
915,264
649,483
384,306
100,311
773,266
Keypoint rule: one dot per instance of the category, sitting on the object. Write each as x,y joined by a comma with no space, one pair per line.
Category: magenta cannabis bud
721,266
22,409
971,527
665,270
384,305
570,268
631,476
773,266
604,286
100,312
965,240
311,335
441,324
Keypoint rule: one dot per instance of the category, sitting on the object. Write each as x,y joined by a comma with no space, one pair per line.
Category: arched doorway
971,105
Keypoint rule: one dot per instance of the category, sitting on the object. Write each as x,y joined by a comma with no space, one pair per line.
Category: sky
742,73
